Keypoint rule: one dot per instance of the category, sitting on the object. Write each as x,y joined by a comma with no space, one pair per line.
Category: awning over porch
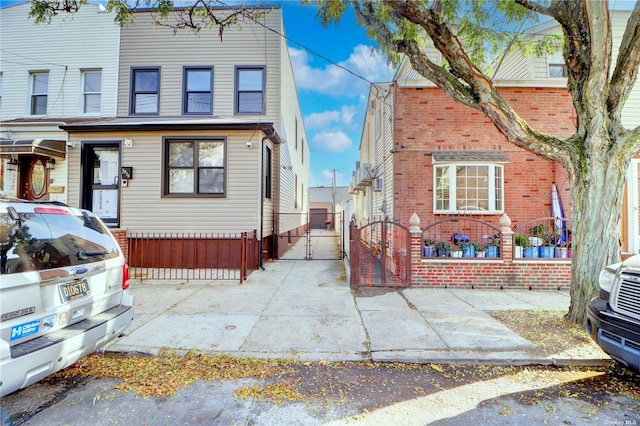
469,156
46,147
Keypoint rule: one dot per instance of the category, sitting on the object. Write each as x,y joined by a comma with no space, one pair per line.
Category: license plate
74,290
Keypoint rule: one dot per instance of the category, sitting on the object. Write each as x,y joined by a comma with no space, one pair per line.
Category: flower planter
518,253
456,253
530,252
428,251
561,253
469,251
442,252
481,253
493,251
546,252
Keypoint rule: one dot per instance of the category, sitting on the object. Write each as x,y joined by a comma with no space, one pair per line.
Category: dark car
63,289
614,316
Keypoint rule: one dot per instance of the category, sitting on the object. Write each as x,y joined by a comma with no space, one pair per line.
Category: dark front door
34,177
101,179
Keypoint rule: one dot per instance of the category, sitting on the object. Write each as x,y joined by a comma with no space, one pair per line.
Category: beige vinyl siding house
78,57
372,182
207,129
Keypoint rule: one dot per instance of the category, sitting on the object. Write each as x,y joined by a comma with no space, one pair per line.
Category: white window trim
32,93
452,188
83,93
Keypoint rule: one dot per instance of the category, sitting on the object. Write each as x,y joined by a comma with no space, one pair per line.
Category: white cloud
347,114
321,120
327,175
327,119
335,81
325,178
332,141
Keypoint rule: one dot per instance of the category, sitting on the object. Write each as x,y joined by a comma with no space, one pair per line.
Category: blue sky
332,100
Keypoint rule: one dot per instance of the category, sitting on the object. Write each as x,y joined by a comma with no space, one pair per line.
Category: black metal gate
309,241
380,255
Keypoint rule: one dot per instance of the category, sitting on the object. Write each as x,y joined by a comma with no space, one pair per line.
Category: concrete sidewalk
305,310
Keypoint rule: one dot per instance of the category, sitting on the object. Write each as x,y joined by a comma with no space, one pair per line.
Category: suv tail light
51,210
125,276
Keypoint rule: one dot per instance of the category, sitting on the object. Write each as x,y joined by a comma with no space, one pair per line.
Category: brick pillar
416,243
506,242
121,236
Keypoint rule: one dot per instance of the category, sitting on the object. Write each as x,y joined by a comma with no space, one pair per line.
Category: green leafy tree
467,35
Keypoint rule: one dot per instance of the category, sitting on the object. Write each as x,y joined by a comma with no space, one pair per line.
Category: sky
333,101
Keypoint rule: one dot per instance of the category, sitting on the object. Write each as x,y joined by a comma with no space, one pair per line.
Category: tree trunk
597,202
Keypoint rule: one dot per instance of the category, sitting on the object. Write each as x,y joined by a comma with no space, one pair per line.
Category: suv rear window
52,238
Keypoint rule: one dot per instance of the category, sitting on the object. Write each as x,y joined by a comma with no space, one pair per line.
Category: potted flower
493,248
428,249
521,242
468,248
443,248
547,238
479,249
456,252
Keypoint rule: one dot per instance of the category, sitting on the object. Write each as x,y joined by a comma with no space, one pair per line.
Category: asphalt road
353,394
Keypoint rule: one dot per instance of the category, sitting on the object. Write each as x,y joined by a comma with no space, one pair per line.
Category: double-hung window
198,90
195,167
557,67
145,91
250,88
469,187
39,90
91,91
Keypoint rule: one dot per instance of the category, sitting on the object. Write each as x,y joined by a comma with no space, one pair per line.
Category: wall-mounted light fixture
51,164
12,164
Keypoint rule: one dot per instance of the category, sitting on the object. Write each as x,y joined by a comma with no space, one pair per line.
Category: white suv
63,282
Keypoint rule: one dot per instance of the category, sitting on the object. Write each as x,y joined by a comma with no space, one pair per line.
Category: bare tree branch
479,91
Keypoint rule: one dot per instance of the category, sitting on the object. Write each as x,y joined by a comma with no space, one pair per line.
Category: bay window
468,188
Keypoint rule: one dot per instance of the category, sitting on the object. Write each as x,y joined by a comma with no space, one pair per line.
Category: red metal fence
192,256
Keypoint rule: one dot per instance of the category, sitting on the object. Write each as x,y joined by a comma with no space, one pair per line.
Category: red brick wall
499,274
426,120
121,236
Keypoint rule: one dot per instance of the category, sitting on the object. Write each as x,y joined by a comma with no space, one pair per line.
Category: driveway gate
380,255
310,241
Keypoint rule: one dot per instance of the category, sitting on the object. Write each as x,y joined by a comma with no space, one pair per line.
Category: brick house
415,137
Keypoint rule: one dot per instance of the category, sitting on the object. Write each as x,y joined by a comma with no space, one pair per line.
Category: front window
198,91
250,90
195,167
557,71
91,92
145,91
468,188
39,89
